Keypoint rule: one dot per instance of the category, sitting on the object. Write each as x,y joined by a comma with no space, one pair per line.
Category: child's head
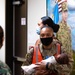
62,58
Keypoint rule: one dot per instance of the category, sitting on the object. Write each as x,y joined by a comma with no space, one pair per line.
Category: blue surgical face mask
38,30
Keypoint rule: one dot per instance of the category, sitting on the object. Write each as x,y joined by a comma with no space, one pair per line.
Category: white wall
36,9
2,23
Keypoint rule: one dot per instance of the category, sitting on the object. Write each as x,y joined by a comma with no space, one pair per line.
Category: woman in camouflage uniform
4,69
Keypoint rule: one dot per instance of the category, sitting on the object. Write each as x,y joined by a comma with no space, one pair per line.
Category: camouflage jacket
4,69
64,35
61,69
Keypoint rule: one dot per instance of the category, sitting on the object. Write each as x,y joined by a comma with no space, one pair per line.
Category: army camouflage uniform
4,69
64,33
61,69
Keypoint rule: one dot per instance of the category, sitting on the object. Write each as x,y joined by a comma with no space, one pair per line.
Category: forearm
62,69
28,61
50,66
66,69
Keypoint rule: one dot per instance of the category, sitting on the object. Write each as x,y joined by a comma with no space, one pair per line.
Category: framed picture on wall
54,10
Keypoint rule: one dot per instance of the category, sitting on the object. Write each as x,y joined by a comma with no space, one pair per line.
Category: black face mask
46,41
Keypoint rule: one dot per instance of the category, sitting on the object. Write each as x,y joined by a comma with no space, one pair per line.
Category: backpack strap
37,56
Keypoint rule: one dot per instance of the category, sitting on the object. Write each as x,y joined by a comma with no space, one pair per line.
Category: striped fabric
59,4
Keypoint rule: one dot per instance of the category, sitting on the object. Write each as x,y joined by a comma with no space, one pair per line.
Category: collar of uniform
52,50
64,23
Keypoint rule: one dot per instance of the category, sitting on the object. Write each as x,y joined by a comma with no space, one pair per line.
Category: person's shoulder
2,64
56,41
37,42
4,69
31,49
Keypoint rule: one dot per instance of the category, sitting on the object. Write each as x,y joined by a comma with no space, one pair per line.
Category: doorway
19,34
16,34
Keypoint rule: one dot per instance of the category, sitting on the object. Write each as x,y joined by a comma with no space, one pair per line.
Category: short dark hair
1,36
